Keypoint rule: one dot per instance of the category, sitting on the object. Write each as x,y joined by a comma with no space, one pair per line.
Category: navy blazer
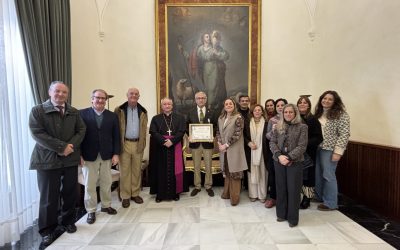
193,117
104,140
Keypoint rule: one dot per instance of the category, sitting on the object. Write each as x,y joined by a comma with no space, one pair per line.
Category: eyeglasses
99,98
201,98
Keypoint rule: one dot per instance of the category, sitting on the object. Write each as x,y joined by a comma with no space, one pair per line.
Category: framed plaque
201,132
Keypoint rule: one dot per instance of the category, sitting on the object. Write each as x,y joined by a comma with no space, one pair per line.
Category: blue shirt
132,123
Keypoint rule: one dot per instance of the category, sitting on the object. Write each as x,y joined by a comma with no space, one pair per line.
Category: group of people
291,151
94,138
263,149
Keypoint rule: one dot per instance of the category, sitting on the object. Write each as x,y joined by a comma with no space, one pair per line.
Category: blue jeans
326,188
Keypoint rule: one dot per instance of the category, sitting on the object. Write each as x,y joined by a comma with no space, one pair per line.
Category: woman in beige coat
230,144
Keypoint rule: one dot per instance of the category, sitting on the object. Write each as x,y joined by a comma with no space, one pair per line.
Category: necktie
61,109
201,116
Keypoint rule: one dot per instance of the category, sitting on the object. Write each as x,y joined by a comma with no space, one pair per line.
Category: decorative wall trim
370,174
312,8
101,6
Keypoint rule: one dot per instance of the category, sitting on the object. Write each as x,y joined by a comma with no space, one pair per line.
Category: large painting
210,46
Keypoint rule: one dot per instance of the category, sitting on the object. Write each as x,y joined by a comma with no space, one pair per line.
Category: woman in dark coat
288,144
314,139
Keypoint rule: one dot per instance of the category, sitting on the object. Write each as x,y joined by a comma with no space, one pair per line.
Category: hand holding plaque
202,132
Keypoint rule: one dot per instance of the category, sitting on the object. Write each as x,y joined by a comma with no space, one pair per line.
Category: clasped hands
284,160
168,143
252,145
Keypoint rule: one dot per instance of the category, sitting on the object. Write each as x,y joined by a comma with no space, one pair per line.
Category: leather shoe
210,192
195,192
292,225
158,200
91,218
323,207
177,197
108,210
137,199
270,203
125,203
48,239
71,228
279,219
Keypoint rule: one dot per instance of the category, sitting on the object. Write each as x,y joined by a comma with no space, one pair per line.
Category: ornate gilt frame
254,42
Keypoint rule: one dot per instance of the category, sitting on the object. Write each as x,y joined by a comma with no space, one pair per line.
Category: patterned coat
232,133
294,139
336,133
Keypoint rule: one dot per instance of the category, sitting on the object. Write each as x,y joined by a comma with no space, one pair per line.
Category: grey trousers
289,180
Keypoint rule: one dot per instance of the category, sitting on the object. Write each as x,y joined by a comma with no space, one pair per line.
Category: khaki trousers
93,172
130,170
197,153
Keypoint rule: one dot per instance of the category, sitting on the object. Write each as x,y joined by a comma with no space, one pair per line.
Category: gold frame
201,125
254,43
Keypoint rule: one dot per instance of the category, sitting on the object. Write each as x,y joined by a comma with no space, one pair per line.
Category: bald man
133,128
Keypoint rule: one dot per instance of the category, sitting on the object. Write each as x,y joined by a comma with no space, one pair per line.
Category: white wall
355,52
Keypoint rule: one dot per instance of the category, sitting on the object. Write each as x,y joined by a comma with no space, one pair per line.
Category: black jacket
104,140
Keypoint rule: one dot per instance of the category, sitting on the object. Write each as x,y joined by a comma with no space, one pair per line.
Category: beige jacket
231,133
121,113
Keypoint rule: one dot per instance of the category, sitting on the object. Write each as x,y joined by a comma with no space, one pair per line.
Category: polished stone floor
202,222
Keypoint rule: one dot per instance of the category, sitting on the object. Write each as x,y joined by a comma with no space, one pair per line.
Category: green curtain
46,37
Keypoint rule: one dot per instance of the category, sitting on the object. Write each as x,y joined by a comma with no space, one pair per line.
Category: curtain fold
18,186
46,38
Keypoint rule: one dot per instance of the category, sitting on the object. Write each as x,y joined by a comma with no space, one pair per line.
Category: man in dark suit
100,150
200,114
58,131
244,110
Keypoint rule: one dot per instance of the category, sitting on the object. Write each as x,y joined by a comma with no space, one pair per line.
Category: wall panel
370,174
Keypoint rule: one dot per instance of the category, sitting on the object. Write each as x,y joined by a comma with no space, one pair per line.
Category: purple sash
178,165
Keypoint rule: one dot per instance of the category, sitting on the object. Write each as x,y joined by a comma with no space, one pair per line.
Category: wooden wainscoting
370,174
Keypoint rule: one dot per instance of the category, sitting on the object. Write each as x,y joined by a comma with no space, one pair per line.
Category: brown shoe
125,203
137,199
270,203
323,207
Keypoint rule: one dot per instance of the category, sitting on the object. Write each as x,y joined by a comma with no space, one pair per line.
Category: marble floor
203,222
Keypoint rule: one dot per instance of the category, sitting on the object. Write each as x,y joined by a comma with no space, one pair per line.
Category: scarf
256,155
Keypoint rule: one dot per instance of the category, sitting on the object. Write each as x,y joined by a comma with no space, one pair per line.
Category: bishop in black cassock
166,166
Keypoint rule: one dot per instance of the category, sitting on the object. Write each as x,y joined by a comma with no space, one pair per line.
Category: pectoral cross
169,132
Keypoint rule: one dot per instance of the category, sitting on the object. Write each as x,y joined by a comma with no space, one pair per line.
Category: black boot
305,203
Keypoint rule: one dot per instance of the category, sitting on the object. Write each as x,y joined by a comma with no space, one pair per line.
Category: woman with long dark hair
335,124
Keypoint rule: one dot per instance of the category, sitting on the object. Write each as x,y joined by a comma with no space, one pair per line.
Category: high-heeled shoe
305,203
